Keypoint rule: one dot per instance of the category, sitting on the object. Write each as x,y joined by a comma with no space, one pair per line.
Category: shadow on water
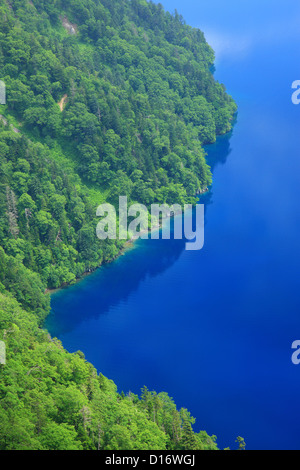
217,154
112,284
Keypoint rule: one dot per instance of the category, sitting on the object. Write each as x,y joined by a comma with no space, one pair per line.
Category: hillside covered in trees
104,98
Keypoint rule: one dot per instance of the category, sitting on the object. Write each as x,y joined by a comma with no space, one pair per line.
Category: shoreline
127,244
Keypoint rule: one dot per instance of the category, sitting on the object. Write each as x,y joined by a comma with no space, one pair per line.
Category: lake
214,328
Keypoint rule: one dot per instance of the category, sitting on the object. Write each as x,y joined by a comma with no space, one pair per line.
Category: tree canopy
104,98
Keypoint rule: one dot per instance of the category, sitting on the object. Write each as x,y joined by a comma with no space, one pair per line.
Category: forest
103,98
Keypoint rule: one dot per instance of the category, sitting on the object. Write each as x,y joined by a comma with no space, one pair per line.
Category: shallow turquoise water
214,328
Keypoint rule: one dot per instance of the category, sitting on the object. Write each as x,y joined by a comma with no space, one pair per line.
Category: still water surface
214,328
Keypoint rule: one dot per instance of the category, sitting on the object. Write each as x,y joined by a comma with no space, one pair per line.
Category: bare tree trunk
12,212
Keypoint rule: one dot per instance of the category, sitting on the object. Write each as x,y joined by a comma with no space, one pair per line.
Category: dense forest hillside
104,98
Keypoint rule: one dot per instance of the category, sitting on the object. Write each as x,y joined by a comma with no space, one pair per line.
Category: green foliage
139,102
51,399
241,441
105,99
139,91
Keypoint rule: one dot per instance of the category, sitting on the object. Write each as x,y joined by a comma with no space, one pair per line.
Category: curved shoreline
127,245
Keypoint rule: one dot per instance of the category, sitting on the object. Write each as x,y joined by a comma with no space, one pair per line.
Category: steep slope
104,98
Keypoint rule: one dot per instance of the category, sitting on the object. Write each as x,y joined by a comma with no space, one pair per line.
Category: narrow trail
62,102
5,122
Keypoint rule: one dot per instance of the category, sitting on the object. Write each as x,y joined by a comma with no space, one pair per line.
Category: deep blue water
214,328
